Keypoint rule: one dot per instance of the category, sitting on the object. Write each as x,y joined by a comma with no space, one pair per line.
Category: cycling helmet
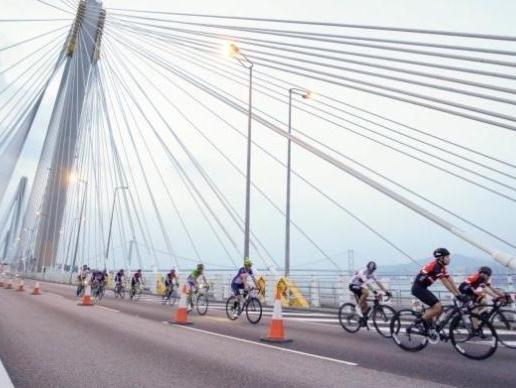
139,271
485,270
371,266
248,263
200,267
121,270
85,267
441,252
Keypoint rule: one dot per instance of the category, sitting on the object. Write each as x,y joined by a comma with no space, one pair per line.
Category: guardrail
319,290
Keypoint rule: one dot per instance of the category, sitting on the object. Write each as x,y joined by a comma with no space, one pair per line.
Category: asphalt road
50,341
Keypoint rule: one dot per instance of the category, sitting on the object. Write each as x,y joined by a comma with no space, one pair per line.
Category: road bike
97,292
119,290
170,296
381,315
199,297
248,302
472,335
502,318
81,288
136,292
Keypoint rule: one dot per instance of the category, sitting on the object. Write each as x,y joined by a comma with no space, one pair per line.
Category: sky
332,229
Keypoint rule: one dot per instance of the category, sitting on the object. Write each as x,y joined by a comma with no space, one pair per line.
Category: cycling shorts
356,289
467,289
424,294
236,287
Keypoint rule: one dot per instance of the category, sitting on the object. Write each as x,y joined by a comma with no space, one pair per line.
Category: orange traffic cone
20,286
36,290
276,332
9,284
181,312
86,298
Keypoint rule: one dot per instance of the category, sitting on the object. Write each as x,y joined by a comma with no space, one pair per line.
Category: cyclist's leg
362,300
235,287
428,298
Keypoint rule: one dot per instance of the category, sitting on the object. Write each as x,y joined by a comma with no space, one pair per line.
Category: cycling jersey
430,273
476,281
170,279
119,277
137,278
242,274
98,276
361,278
83,274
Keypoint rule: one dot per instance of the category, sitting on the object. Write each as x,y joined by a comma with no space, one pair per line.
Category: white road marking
107,308
5,380
269,346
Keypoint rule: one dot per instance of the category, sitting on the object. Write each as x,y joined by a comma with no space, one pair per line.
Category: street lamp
111,222
235,52
79,227
306,95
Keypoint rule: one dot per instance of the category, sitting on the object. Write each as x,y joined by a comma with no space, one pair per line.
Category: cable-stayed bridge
161,139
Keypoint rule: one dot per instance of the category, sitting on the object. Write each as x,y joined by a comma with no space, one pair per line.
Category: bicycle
136,292
470,334
170,296
81,288
250,303
503,320
119,291
97,292
201,299
381,314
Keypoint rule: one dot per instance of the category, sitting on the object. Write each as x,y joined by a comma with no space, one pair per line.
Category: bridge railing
319,290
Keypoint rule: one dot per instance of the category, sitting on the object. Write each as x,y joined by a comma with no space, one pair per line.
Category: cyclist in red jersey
426,277
478,285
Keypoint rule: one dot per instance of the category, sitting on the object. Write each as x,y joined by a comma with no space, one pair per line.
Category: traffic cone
36,290
9,284
181,312
1,282
276,332
20,286
86,298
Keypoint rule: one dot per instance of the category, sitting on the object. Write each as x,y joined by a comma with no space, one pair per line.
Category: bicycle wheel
253,310
504,322
137,294
202,304
121,292
473,336
405,333
348,318
232,308
382,316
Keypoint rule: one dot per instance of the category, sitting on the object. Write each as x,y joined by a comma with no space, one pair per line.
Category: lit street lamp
235,52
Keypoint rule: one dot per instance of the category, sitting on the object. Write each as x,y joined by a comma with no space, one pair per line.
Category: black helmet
139,270
200,266
485,270
172,271
441,252
371,266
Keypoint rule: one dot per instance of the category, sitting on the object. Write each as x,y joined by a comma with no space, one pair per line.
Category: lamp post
111,222
235,52
76,249
306,95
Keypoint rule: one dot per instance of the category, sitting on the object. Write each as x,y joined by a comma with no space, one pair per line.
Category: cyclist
81,277
98,279
193,283
240,281
137,279
360,285
119,279
434,270
478,285
171,280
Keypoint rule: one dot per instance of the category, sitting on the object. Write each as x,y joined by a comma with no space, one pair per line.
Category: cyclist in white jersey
359,285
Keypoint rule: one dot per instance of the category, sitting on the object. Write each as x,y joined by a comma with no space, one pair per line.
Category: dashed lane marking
280,349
